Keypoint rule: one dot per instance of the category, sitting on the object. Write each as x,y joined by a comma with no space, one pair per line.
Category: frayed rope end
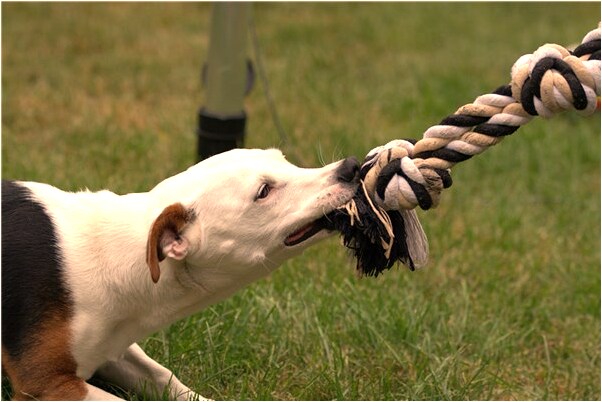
377,238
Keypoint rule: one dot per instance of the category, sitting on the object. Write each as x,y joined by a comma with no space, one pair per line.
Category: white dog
86,275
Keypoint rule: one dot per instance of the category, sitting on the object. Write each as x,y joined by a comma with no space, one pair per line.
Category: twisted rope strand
404,174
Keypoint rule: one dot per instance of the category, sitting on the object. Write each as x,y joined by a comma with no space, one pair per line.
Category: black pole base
217,134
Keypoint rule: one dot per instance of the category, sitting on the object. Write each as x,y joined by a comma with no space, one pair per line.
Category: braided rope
404,174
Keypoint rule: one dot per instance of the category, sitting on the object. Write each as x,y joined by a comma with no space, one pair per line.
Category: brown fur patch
173,218
46,370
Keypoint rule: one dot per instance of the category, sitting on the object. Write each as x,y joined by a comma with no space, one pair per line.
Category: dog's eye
263,192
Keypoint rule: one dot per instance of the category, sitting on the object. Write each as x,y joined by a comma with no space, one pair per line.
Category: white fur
233,241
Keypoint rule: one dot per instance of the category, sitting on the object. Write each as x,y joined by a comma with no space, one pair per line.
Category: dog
86,275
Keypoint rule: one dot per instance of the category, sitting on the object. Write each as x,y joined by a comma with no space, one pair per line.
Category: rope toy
380,225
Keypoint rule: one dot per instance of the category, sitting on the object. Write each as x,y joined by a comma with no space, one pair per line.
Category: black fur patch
32,285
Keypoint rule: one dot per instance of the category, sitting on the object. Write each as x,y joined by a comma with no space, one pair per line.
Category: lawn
105,95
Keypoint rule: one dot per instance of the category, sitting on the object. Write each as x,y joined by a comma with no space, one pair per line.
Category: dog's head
240,214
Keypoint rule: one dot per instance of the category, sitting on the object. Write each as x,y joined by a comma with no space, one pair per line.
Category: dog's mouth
307,231
329,221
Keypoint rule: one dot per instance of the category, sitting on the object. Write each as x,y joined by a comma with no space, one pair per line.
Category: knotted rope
403,174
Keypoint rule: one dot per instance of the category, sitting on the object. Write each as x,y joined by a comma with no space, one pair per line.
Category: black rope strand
532,85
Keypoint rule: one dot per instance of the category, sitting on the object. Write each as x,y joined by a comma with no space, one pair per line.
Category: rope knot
396,180
554,79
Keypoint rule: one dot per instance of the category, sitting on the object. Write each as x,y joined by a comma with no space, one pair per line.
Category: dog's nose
349,170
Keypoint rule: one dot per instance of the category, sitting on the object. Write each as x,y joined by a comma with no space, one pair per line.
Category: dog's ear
164,238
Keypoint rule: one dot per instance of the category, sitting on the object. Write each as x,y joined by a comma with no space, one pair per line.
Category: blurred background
106,95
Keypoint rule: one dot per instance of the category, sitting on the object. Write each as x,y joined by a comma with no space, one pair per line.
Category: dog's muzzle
348,172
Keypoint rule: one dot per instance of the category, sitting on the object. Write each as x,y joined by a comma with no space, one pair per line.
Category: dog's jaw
306,232
311,231
318,227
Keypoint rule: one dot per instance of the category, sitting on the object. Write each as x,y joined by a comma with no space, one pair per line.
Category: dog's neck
106,255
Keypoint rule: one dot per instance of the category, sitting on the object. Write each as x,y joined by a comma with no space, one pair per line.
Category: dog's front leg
137,372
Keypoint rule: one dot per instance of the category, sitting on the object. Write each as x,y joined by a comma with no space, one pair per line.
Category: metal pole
222,119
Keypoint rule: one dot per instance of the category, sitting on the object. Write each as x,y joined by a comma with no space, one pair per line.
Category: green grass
105,95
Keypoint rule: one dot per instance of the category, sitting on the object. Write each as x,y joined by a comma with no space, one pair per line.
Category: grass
105,95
